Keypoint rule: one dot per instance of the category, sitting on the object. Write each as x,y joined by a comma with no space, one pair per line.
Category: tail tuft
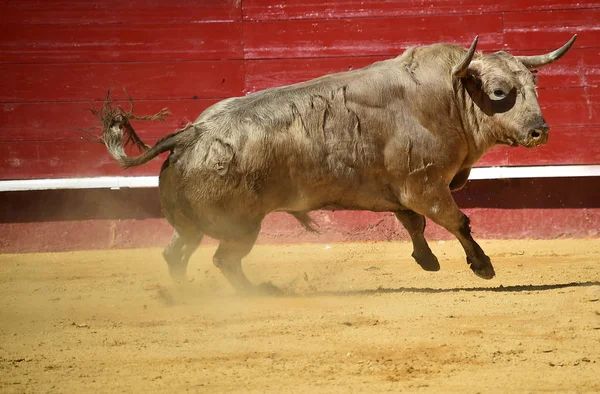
115,127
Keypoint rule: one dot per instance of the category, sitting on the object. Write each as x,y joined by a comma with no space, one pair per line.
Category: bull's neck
474,128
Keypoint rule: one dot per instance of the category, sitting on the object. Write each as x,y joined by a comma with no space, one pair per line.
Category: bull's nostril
535,134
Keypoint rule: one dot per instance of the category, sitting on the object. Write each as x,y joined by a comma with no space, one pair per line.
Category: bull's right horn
542,60
460,70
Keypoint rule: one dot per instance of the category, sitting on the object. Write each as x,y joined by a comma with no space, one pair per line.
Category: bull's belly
363,200
375,207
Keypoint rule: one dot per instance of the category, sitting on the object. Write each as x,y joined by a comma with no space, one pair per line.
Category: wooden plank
590,61
326,9
62,121
120,42
567,145
368,36
51,236
64,159
571,106
592,96
497,156
569,71
548,30
263,74
118,11
82,82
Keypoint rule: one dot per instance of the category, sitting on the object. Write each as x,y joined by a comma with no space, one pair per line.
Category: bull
398,136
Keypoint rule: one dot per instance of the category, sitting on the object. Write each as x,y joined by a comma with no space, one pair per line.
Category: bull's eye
499,94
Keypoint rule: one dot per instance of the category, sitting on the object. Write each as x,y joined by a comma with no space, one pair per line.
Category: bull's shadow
430,290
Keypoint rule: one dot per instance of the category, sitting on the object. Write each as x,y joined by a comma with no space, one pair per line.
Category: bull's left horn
542,60
460,70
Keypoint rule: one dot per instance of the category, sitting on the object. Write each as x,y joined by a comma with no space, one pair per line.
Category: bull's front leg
438,205
415,225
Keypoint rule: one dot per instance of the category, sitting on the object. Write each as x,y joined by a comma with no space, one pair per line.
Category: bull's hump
323,84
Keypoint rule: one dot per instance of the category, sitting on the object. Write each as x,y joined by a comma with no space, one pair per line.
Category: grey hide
398,135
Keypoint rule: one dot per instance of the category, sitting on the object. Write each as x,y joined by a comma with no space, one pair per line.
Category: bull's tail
117,133
113,138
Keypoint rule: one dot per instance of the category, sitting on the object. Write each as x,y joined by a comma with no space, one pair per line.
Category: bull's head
503,89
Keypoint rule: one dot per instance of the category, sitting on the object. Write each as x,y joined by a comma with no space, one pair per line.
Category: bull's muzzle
539,134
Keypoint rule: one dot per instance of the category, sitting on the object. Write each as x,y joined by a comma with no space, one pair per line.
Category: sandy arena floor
357,318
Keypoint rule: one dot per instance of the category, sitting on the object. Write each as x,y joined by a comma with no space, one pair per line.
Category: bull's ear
460,69
474,73
475,69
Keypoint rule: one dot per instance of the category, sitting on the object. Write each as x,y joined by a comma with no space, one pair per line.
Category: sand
355,318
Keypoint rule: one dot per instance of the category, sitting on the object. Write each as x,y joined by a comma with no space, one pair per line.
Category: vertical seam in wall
112,234
503,46
243,22
503,31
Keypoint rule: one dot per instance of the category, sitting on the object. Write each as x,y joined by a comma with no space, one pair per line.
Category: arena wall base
64,220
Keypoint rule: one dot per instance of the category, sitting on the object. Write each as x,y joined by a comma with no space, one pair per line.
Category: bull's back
300,147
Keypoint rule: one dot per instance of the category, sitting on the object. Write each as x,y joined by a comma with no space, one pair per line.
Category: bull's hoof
484,272
427,261
178,275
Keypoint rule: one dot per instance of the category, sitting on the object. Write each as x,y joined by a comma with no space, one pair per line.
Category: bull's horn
542,60
460,70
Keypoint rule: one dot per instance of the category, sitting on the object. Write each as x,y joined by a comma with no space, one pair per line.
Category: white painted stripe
104,182
534,172
118,182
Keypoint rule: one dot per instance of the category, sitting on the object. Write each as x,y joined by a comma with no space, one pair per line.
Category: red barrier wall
186,55
56,55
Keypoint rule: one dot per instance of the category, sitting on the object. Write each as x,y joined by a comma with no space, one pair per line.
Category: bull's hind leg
179,250
228,258
415,225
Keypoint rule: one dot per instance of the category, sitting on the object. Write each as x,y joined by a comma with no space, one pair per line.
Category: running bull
399,135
